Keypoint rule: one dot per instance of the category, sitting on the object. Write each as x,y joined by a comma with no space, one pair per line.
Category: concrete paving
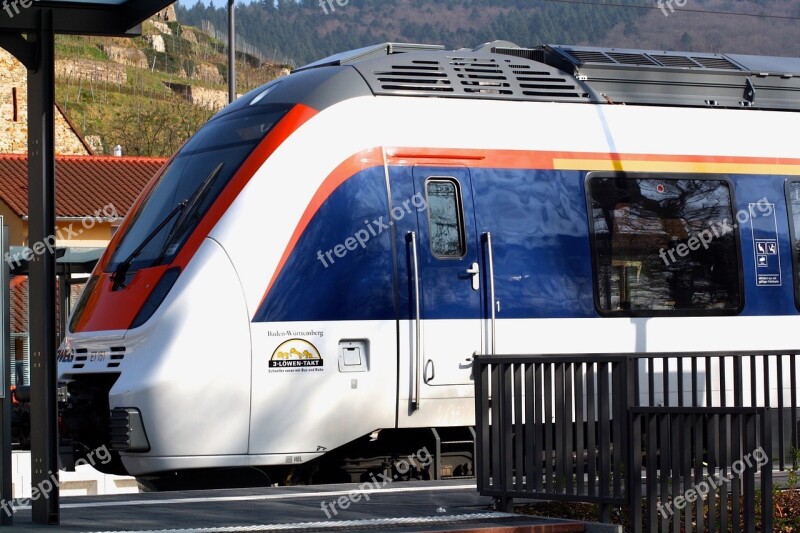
399,507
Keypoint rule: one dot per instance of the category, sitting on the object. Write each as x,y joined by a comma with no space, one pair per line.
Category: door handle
429,376
475,271
492,299
411,238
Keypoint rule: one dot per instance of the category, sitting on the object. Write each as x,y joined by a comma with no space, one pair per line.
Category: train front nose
173,392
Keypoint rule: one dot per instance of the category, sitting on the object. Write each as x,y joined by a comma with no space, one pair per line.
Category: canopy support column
42,286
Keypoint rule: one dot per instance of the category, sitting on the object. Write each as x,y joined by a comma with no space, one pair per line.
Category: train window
189,185
445,220
664,246
793,194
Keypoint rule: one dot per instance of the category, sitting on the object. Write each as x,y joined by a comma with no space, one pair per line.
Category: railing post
633,491
766,472
506,427
749,473
619,432
504,504
495,412
604,438
482,441
793,409
633,454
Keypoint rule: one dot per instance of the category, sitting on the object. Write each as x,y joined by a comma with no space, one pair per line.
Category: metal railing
609,428
726,379
529,447
696,469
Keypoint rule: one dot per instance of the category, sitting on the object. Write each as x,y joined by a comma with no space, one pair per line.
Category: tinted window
195,177
445,219
664,246
793,191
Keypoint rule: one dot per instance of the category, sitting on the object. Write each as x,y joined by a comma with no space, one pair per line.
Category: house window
445,218
664,246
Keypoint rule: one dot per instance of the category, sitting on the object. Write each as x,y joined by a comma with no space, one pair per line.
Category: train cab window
445,218
189,185
663,246
793,194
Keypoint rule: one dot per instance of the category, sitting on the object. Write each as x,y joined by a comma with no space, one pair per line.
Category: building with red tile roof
86,186
96,189
83,183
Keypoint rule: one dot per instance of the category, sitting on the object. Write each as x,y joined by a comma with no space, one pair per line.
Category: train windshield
189,186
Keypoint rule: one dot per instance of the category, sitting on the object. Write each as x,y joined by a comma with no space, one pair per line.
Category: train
303,286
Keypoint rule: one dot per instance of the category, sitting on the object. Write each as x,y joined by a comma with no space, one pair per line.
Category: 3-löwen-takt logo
295,353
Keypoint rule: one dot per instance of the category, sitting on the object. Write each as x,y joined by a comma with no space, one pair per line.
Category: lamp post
231,55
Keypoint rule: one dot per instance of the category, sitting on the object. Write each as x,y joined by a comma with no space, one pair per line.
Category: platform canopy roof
83,17
68,260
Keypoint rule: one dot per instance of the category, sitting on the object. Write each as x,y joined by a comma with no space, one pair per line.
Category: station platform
452,505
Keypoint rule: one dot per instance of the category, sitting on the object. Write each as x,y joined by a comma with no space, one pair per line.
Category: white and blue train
310,276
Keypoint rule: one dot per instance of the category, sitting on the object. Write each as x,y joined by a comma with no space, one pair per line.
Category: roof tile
84,184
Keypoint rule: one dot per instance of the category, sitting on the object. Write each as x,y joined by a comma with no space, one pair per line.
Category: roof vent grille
590,56
543,84
533,54
676,61
631,59
716,62
481,76
417,75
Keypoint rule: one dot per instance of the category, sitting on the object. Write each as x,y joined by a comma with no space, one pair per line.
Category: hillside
731,34
149,93
307,31
303,32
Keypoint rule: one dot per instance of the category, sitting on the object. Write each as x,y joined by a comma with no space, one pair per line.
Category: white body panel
334,406
190,359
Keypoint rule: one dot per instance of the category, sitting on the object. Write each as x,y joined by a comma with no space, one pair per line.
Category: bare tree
158,128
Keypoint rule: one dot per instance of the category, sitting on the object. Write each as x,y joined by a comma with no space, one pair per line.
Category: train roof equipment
501,70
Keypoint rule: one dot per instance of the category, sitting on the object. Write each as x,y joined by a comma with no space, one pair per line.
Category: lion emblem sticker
295,353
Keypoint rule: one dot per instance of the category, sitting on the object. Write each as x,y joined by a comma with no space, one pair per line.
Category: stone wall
210,98
14,116
157,43
208,73
96,143
93,71
189,35
200,96
161,27
131,57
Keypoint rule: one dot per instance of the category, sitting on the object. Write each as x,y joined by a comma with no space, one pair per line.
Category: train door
441,261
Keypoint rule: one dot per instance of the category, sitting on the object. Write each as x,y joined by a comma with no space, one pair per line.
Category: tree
143,131
686,42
